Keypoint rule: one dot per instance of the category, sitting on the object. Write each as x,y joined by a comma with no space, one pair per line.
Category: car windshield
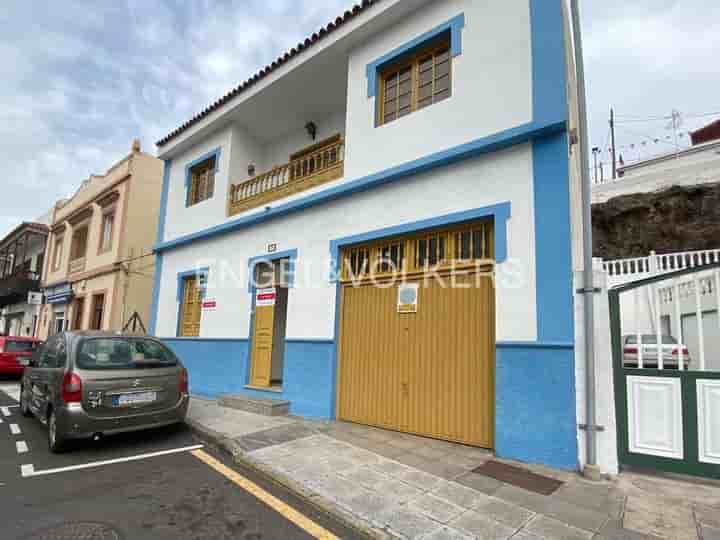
123,353
20,346
651,339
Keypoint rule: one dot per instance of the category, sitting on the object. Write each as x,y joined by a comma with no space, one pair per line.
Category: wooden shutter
191,308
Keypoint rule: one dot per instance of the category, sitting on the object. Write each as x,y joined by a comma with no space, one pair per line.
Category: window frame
208,166
58,252
107,215
436,46
95,308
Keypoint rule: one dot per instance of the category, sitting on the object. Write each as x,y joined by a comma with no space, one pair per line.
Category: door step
257,405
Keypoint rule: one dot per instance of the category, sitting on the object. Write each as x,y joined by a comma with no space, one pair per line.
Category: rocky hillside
676,219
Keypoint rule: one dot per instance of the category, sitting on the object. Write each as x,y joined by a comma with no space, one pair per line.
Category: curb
320,503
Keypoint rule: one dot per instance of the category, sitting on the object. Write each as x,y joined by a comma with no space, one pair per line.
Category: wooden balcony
76,265
317,165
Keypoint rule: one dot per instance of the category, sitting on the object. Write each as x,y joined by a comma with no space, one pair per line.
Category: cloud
80,82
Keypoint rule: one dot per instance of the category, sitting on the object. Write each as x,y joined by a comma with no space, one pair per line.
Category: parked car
89,384
671,351
13,350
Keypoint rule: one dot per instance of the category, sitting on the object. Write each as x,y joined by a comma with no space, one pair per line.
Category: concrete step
257,405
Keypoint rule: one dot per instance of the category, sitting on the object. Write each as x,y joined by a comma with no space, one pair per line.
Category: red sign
265,297
209,305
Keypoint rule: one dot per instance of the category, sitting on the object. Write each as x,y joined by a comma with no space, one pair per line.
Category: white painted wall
605,394
492,85
483,181
492,92
684,172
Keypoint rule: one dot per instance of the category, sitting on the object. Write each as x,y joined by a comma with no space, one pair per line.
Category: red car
12,349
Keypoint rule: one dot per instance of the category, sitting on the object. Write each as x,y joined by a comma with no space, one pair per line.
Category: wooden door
262,343
191,310
428,372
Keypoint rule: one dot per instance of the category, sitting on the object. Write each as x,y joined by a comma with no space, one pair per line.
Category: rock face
675,219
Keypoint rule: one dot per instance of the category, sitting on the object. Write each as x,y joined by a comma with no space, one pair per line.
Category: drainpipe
592,471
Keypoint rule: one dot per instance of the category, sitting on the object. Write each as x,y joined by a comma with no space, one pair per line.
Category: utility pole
595,152
612,137
602,173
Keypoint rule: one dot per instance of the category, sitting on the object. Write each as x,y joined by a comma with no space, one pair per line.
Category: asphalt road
174,495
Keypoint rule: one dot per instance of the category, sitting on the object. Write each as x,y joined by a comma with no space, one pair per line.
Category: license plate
124,400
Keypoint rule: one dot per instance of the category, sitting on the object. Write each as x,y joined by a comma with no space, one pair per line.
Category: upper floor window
202,181
416,82
57,253
106,233
79,243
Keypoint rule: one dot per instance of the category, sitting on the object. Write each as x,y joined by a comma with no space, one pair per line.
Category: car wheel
56,441
24,405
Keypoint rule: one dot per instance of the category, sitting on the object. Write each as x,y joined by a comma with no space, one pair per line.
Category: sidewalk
394,484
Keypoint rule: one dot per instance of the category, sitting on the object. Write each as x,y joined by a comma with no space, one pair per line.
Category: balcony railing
77,265
14,287
324,164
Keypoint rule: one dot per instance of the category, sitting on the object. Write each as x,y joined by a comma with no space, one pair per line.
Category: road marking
5,411
21,447
29,470
14,429
273,502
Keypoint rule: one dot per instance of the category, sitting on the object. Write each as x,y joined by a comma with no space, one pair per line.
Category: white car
671,352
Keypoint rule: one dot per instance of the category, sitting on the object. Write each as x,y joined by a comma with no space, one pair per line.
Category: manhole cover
77,531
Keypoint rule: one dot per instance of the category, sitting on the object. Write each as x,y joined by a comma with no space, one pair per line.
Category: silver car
89,384
670,350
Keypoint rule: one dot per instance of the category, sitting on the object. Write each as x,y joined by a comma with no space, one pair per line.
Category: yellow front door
191,308
263,333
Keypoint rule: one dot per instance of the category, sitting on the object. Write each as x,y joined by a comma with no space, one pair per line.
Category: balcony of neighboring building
22,255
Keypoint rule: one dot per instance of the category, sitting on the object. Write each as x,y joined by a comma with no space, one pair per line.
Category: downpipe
591,471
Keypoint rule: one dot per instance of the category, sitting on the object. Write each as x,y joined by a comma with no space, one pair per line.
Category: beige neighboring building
100,265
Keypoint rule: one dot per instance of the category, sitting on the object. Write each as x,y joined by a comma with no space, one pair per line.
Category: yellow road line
273,502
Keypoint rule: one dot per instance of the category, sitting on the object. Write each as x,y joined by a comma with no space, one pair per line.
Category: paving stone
707,515
481,527
613,530
366,477
363,456
446,533
340,463
546,527
382,449
459,494
436,508
710,533
507,513
571,514
600,497
340,490
371,506
420,479
667,518
428,452
399,490
413,460
442,469
406,444
524,535
521,497
411,524
479,482
392,468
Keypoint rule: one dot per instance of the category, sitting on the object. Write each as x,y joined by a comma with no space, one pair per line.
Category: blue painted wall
221,366
535,404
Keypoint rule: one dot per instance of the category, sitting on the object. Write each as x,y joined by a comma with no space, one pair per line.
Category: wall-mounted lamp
311,129
251,169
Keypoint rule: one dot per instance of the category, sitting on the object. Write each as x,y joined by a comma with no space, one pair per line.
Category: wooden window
79,243
191,309
57,252
106,233
98,307
79,312
202,181
424,79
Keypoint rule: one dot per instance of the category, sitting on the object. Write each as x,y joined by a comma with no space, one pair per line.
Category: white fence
626,270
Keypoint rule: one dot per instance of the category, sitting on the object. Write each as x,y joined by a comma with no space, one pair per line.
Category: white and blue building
337,145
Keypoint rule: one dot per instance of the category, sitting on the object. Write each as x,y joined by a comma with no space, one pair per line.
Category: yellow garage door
417,335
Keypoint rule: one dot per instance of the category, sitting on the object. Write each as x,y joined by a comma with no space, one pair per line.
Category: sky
81,80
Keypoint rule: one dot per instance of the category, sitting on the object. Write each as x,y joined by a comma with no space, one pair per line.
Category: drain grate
519,477
77,531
